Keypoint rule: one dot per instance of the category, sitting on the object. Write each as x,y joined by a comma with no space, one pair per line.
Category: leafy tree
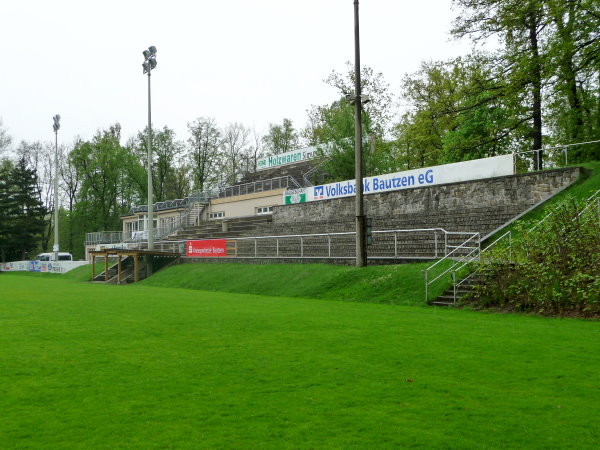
165,152
459,112
520,25
280,138
331,127
380,107
104,192
203,151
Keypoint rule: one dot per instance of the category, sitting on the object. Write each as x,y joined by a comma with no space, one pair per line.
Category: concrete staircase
465,288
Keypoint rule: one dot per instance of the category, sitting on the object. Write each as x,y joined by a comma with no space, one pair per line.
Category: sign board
210,248
495,166
294,196
301,154
41,266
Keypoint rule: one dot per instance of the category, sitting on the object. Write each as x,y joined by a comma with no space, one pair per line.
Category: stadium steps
447,297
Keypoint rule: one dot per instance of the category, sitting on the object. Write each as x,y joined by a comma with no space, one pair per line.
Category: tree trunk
536,83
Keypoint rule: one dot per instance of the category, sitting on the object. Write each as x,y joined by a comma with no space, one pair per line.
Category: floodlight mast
56,127
149,64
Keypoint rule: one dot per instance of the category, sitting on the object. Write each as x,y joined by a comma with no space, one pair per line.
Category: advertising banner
206,248
41,266
495,166
294,196
302,154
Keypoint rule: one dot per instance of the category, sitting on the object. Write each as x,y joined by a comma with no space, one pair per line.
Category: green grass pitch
95,366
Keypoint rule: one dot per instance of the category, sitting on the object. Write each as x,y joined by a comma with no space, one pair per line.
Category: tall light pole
148,65
361,229
56,126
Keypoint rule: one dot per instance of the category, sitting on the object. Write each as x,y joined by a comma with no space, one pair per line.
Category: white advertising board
41,266
477,169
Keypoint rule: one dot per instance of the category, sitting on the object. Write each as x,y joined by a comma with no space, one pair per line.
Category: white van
62,256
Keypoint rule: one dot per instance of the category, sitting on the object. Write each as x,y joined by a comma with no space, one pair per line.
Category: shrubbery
554,269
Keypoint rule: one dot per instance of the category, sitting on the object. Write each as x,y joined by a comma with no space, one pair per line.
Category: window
264,210
143,220
217,215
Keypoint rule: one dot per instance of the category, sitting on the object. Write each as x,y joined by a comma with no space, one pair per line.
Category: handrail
508,235
387,245
588,200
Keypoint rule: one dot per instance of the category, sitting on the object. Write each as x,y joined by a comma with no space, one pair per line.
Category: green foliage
23,216
555,268
280,138
332,127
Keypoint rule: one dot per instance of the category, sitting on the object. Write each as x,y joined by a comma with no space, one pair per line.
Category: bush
554,269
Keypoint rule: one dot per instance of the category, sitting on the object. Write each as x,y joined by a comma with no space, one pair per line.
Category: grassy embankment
95,366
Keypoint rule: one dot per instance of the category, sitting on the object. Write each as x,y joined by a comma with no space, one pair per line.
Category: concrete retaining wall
478,206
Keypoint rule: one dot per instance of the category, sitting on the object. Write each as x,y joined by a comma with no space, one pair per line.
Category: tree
252,153
380,106
234,146
165,151
8,208
574,55
331,127
458,112
5,139
280,138
104,193
40,157
203,151
23,214
70,186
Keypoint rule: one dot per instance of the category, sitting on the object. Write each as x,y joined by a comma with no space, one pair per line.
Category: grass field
401,284
95,366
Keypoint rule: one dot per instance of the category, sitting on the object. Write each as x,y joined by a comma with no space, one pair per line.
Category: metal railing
506,239
425,244
461,255
552,157
258,186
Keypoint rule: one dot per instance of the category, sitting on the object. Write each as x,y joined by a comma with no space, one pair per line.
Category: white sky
253,62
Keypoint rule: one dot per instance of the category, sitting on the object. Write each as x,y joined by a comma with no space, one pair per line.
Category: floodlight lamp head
152,50
146,54
152,62
365,99
56,125
146,67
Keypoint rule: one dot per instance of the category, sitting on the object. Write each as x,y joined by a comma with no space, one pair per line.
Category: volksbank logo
318,194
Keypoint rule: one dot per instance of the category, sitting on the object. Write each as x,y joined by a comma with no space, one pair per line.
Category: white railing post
301,247
435,238
329,246
445,244
454,286
395,245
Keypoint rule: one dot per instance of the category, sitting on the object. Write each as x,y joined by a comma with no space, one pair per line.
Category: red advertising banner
206,249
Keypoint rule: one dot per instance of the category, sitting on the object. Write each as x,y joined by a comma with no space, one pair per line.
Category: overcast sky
248,61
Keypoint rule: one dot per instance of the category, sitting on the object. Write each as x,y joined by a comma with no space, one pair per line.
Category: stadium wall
479,206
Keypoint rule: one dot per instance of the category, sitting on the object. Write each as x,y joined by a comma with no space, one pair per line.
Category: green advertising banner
295,196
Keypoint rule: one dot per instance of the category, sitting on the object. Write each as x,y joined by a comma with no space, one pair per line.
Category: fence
426,243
